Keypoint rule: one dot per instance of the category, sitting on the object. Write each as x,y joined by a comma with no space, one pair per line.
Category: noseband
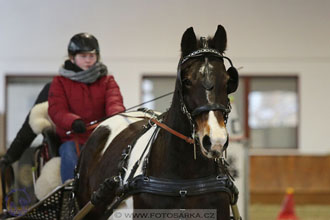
203,52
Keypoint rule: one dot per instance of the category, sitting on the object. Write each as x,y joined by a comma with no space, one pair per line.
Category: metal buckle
117,179
183,193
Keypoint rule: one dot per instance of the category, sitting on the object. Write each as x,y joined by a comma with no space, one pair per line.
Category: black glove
78,126
5,160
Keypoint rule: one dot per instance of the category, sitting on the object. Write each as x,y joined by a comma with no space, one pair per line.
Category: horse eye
187,82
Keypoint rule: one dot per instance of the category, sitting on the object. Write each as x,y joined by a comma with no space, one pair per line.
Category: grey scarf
86,76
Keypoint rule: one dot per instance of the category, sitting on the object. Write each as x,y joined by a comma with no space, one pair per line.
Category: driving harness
143,183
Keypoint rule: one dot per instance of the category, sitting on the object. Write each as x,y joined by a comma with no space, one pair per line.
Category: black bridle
203,52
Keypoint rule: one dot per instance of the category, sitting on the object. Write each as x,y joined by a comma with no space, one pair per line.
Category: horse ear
188,42
220,39
233,80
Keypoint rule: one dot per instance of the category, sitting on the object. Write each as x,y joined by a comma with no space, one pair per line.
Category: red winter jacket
70,100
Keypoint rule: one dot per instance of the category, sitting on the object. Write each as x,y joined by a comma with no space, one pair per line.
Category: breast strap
173,187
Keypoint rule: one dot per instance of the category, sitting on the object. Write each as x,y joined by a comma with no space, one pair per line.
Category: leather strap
187,139
209,107
171,187
164,126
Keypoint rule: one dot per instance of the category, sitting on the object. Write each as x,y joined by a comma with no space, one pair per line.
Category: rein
170,130
95,123
162,125
152,119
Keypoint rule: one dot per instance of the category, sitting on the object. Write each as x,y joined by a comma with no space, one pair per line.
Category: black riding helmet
83,42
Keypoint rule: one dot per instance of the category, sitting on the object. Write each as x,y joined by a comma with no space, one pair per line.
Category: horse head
204,84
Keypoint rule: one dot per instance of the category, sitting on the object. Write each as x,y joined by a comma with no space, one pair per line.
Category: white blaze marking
208,97
218,134
201,70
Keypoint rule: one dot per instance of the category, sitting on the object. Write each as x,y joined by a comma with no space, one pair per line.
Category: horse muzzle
212,136
212,148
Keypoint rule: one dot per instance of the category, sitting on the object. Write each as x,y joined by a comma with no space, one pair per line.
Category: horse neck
172,157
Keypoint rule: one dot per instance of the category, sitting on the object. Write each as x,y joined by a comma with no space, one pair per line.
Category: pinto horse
177,153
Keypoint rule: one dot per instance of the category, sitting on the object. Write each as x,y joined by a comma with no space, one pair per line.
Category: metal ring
219,177
116,179
152,124
183,193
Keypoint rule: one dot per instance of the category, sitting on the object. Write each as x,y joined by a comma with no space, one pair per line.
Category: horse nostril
215,154
207,142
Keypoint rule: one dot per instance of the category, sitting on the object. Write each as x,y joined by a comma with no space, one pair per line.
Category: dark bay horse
177,152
